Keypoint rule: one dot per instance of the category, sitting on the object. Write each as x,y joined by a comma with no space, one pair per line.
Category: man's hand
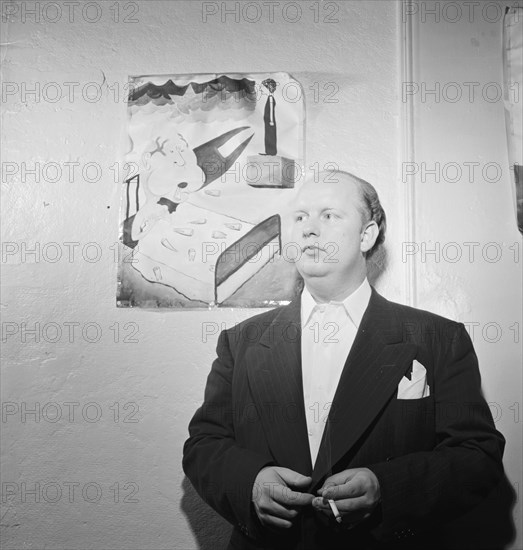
356,493
276,504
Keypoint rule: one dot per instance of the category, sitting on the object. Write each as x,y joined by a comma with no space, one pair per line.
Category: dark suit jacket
435,457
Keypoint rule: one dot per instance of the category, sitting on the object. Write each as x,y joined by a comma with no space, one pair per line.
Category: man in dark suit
342,420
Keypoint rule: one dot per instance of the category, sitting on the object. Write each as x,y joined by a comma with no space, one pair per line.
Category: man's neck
323,292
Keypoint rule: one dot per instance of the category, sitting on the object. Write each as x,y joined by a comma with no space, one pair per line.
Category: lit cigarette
335,510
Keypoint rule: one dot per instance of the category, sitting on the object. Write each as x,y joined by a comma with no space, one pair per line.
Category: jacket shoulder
257,327
261,319
417,314
422,326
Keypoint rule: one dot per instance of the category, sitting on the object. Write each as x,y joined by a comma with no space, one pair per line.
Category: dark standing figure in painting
269,117
373,437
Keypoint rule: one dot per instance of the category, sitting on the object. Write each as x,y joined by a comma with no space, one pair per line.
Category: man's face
327,227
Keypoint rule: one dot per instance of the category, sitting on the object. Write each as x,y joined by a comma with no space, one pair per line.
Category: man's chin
312,269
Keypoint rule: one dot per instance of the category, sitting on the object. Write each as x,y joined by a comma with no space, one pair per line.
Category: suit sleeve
222,472
422,490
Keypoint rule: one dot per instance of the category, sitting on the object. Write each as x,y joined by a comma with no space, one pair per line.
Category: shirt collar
355,304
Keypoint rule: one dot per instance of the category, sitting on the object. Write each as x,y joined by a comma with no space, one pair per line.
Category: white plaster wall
484,288
163,373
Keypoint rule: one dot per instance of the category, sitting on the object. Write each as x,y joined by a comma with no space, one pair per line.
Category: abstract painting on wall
213,162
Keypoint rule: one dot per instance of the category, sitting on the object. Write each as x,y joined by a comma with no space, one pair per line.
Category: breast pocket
414,425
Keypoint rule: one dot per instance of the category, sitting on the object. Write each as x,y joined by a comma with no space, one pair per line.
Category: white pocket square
416,387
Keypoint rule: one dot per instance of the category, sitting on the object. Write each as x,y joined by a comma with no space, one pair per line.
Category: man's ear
369,235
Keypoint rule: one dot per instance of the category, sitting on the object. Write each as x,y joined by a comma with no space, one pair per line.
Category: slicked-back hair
369,207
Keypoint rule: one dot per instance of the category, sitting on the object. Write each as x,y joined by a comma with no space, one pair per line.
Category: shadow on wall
210,530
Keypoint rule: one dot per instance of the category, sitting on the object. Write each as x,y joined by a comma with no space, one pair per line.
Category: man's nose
311,227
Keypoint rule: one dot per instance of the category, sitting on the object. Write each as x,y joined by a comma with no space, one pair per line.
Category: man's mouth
311,248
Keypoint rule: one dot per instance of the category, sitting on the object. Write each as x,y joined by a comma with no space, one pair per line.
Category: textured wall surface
464,209
113,390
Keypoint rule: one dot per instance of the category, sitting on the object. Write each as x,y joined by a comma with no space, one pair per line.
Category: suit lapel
275,382
377,361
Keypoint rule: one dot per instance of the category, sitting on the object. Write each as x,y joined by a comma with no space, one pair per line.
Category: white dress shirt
328,332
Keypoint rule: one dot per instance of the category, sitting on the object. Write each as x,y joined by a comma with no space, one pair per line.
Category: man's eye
299,218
